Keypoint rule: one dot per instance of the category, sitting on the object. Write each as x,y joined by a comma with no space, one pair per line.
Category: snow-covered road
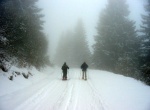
102,91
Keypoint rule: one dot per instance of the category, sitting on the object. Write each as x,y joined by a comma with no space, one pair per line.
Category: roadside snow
46,91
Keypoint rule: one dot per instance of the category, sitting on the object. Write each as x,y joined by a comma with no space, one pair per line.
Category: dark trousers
64,74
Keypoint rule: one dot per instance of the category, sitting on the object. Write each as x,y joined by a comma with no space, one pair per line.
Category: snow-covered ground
46,91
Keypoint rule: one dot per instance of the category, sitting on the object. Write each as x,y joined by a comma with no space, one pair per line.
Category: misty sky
61,15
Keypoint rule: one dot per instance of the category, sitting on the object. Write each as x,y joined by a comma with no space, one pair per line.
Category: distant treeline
73,47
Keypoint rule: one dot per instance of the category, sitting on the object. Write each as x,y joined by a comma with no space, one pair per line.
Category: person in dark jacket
84,67
64,69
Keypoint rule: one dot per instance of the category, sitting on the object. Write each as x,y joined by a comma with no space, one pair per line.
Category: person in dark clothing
84,67
64,69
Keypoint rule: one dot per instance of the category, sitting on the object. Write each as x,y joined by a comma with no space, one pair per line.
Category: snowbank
18,82
46,91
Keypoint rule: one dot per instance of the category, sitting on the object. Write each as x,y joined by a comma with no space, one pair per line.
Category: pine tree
8,26
73,47
116,44
64,49
145,47
81,50
21,23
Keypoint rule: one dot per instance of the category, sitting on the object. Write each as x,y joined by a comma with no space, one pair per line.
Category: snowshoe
64,79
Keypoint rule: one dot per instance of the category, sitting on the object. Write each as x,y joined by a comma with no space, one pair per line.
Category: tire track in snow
61,92
51,101
73,97
57,105
81,94
33,101
67,100
89,97
56,97
97,97
84,96
22,95
75,91
68,96
73,94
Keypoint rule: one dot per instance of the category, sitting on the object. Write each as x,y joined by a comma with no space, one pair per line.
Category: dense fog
63,15
110,35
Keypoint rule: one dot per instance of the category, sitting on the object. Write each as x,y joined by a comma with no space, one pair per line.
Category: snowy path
51,93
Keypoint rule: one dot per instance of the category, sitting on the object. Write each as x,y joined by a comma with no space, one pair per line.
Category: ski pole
88,75
68,75
61,75
81,74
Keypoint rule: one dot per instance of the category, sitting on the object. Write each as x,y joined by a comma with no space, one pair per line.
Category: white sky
61,15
